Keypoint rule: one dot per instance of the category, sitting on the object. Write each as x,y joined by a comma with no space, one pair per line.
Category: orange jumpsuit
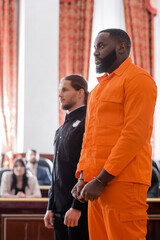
117,136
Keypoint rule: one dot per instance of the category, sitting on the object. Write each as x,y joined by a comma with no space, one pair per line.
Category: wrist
81,176
72,208
98,180
105,176
80,179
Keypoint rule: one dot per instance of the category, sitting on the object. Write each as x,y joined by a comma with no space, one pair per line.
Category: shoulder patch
76,123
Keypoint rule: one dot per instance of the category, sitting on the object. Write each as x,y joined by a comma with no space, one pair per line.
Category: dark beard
106,62
34,162
67,106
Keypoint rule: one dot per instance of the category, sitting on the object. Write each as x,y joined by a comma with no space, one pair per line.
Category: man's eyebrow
98,43
63,88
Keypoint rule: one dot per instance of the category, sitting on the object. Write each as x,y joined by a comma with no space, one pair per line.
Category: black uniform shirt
67,149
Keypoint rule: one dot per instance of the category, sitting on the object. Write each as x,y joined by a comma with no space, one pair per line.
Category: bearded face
105,63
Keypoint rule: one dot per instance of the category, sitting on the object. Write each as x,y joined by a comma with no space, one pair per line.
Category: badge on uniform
76,123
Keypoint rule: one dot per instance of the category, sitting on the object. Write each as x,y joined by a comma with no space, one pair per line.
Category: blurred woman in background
18,183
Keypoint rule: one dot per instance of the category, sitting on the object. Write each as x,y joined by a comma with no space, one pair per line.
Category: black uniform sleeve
51,199
78,205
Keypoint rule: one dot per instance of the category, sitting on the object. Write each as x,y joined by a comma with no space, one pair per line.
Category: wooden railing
23,219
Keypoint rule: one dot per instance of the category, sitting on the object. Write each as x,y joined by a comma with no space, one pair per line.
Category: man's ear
81,92
121,47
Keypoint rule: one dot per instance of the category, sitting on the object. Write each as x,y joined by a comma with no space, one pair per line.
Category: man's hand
76,191
92,190
48,219
71,217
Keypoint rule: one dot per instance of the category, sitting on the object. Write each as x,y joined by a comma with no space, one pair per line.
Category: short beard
66,107
106,62
34,163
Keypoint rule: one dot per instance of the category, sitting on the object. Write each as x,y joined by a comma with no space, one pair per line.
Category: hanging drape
152,6
74,38
140,27
8,73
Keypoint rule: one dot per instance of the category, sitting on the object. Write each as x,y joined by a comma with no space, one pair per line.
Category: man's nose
60,93
96,52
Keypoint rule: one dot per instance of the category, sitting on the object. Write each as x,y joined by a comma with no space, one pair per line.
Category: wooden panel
24,226
153,228
44,190
12,214
154,219
24,217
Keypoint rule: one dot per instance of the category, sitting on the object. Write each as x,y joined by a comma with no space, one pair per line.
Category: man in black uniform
65,214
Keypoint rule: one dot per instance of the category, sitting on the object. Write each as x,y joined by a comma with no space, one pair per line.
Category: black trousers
62,232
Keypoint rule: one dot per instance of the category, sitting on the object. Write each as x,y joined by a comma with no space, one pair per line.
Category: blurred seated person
18,184
153,191
42,173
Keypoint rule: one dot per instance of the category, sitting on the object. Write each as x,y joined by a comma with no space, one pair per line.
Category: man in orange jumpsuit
115,167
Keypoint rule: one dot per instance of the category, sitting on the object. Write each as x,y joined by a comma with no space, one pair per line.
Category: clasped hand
87,191
21,194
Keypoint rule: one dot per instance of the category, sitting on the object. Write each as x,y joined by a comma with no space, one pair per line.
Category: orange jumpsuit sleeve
139,104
